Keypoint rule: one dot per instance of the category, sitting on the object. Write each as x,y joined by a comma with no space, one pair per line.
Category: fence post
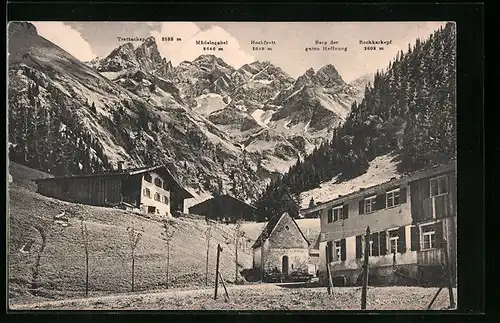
86,273
168,261
328,289
434,298
224,285
448,273
208,236
133,265
365,269
262,265
219,249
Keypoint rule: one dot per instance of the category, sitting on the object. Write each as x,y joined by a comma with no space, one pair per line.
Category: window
151,209
165,199
370,204
158,182
392,198
439,185
157,197
428,236
148,178
393,240
147,192
375,243
337,213
165,186
338,250
371,248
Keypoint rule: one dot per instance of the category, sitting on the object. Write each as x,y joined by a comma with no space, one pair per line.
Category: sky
87,40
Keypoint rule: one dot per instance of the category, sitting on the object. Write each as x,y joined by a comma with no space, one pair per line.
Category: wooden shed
224,208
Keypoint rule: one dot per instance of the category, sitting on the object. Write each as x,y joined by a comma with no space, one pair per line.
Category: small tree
169,233
311,202
238,236
134,238
208,235
85,241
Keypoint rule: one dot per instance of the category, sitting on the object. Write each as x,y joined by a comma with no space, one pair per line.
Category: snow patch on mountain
262,117
278,165
208,103
382,169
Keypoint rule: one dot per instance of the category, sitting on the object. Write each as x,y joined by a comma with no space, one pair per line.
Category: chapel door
284,265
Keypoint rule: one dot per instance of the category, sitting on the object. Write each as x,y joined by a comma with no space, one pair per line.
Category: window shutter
362,207
380,202
383,243
359,246
345,211
438,228
402,240
402,195
343,250
375,237
425,186
329,247
330,216
415,238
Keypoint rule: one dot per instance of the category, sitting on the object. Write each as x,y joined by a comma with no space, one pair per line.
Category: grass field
56,260
261,297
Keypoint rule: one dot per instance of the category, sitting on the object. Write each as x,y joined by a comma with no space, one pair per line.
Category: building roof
316,244
126,172
220,197
435,170
264,235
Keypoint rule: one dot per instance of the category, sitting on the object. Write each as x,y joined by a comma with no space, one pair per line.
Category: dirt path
90,302
256,297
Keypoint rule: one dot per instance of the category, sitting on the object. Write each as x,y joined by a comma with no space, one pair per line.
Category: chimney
120,166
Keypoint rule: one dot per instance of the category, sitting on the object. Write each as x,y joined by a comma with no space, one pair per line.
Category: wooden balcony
129,200
436,207
430,257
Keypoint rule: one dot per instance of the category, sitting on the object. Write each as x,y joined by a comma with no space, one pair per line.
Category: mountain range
219,128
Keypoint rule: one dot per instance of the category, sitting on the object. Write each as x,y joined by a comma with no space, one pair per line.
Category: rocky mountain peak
309,73
328,76
150,41
19,28
148,52
119,59
127,47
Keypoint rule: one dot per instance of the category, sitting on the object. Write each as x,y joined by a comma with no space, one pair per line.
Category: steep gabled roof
416,175
222,197
264,235
316,244
129,172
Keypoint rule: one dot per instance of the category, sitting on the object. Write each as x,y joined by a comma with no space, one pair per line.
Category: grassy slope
24,176
62,262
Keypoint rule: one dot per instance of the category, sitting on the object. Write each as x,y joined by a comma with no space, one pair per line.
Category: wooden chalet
409,218
224,208
150,189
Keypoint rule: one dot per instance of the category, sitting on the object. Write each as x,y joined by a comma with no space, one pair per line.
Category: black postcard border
470,115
